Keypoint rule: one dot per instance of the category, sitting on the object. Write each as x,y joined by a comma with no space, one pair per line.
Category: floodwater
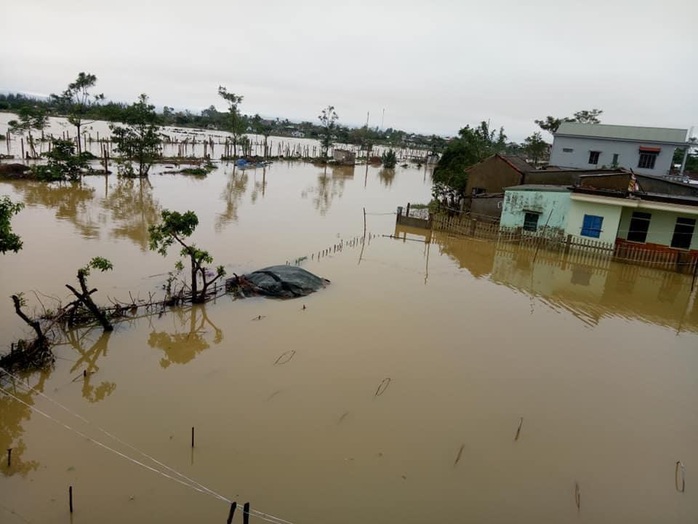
395,395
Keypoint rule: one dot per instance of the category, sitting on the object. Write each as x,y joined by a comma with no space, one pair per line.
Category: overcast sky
432,66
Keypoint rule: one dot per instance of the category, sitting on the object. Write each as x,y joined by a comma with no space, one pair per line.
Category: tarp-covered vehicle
277,281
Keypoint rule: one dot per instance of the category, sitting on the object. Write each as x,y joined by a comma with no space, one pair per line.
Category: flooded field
436,379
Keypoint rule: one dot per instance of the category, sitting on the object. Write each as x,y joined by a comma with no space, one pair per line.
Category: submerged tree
31,118
63,163
139,139
84,296
328,123
389,159
176,227
9,241
472,146
264,128
235,123
77,101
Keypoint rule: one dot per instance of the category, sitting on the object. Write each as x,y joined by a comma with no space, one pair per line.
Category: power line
189,482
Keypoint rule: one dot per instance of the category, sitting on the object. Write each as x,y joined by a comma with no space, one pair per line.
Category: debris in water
260,317
518,431
273,394
577,496
285,357
460,453
382,387
680,486
344,415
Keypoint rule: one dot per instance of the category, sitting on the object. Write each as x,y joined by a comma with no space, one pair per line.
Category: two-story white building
646,150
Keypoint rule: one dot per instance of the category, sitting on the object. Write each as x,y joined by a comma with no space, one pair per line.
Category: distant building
344,157
647,150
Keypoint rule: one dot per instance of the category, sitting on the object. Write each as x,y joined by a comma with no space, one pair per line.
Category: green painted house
612,210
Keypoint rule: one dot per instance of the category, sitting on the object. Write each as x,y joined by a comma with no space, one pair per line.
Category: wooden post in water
9,458
192,436
70,498
233,506
246,513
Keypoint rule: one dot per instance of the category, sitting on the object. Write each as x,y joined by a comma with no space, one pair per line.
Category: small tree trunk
85,298
194,282
40,337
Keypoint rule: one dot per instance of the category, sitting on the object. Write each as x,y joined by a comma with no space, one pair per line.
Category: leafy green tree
551,124
535,147
588,117
175,228
77,101
139,139
328,124
31,118
235,123
63,163
470,147
264,128
9,241
389,159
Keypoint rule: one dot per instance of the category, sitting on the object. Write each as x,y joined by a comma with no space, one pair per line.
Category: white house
646,150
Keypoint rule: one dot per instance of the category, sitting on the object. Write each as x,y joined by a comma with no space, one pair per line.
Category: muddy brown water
293,411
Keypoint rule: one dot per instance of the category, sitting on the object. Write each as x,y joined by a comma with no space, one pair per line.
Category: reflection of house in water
590,287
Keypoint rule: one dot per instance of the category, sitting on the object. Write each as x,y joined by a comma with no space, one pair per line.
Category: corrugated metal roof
642,134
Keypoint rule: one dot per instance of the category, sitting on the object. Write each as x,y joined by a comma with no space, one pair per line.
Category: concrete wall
661,228
611,219
654,185
628,154
489,206
553,207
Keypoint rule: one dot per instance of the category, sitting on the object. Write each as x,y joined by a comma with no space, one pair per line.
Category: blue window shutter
591,226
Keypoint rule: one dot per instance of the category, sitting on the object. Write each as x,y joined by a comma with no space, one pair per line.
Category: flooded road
449,381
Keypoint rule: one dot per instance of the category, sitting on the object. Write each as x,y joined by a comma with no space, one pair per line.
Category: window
647,159
478,191
531,221
683,233
567,150
591,227
615,160
639,225
594,157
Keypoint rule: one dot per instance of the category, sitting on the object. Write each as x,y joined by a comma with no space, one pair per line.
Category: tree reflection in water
87,363
71,200
235,188
329,187
133,208
386,176
259,186
189,337
13,413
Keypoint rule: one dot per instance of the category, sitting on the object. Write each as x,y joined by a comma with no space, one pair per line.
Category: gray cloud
433,66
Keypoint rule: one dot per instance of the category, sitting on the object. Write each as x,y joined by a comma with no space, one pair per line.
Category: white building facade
646,150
